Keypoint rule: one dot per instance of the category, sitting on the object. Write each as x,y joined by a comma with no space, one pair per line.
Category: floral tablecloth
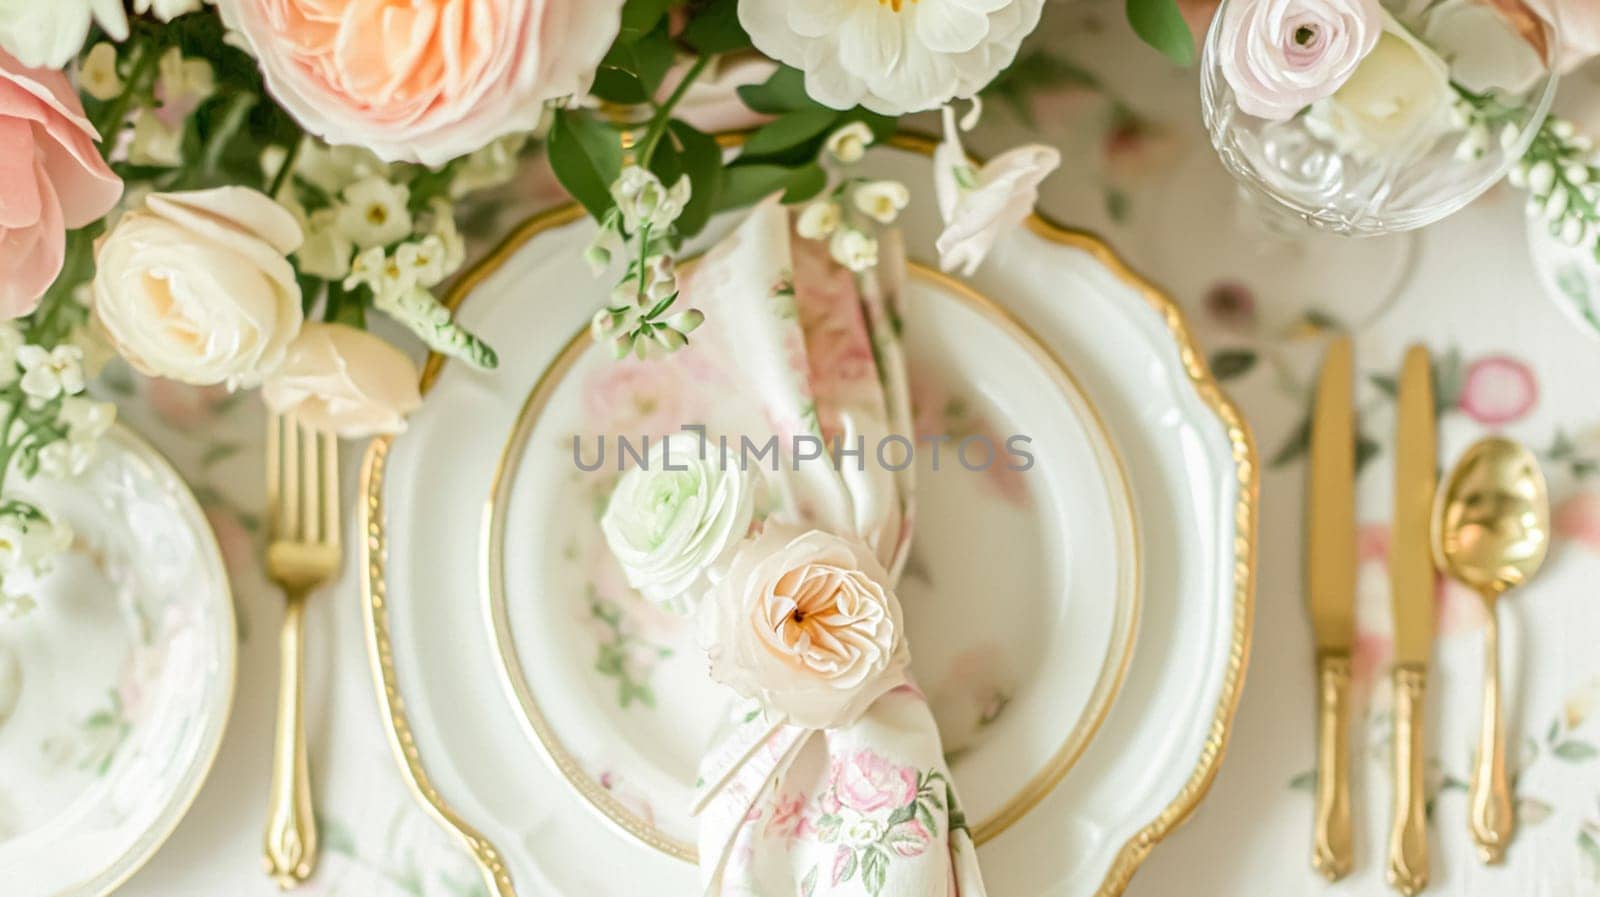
1128,126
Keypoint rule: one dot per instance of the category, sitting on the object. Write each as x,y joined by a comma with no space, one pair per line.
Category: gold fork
303,554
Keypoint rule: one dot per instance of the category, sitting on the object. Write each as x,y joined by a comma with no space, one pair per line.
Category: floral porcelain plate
117,686
1189,461
1021,590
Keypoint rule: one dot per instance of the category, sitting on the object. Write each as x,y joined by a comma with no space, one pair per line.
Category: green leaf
702,162
1590,851
1230,363
784,92
632,71
715,28
1304,781
746,184
874,870
1576,751
848,870
586,157
640,17
788,131
1160,24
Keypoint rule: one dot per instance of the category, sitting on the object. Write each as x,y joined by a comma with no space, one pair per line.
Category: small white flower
332,168
882,201
642,199
607,243
853,249
165,10
421,261
490,166
326,251
819,219
849,143
1541,177
27,545
661,278
1518,175
184,80
85,419
1556,205
1509,136
1573,231
49,373
1576,173
154,142
374,212
98,76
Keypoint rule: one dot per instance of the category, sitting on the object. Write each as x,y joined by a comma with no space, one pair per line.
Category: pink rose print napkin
867,808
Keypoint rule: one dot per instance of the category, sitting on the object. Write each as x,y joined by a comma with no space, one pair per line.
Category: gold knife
1330,594
1411,587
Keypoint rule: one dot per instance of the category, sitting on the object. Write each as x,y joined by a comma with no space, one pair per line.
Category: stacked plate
1080,627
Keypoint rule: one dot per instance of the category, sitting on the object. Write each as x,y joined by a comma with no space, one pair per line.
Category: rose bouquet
227,194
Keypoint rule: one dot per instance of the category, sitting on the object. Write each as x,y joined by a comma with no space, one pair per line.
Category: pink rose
1498,390
1280,56
344,380
428,80
806,624
867,782
51,178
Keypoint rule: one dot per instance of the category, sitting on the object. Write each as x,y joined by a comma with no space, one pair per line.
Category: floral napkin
808,789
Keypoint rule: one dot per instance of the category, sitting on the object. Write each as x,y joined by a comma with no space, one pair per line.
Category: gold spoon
1491,529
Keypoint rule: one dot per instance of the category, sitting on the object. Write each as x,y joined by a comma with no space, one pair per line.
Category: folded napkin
790,804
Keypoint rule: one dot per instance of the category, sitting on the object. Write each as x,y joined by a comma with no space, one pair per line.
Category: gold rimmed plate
1189,459
1021,590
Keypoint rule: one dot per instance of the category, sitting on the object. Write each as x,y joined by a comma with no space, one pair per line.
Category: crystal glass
1447,100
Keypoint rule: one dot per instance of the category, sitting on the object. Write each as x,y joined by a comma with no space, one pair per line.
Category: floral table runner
1507,360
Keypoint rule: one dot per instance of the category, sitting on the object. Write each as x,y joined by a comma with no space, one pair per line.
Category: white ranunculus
673,522
807,624
891,56
48,33
343,380
980,204
1280,56
195,286
1395,105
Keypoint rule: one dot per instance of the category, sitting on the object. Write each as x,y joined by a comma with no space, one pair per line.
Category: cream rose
806,623
1395,105
428,80
1280,56
344,380
195,286
674,522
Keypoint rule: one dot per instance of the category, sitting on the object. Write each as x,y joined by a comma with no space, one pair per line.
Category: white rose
48,33
344,380
194,286
673,523
808,625
1280,56
891,56
1395,105
978,205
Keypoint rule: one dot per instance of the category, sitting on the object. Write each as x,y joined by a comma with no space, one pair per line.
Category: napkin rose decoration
344,380
807,624
1280,56
672,522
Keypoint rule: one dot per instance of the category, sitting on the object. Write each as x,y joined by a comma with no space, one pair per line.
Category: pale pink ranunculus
866,781
1280,56
1498,390
805,622
51,178
341,379
428,80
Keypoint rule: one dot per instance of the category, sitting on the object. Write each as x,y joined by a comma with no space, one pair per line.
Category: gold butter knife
1330,594
1411,588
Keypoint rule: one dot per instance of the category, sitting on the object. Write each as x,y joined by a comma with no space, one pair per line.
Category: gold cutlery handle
1331,850
1490,814
1408,834
290,844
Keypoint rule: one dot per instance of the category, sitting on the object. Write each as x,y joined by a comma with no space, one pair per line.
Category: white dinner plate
126,673
1189,460
1021,591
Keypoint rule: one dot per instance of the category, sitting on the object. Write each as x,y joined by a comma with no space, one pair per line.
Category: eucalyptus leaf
1160,24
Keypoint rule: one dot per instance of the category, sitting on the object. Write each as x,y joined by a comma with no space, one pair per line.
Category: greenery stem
659,121
238,107
282,177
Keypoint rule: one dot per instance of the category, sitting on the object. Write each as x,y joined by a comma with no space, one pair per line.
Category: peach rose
806,624
344,380
51,178
195,286
428,80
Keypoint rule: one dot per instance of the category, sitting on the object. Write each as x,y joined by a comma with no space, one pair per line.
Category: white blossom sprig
847,214
640,317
